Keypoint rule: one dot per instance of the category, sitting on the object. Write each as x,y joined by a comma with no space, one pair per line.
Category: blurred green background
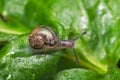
98,50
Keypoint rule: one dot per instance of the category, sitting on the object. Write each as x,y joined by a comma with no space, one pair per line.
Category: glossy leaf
77,74
17,59
98,50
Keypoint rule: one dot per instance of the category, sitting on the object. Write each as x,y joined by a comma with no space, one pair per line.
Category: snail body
44,39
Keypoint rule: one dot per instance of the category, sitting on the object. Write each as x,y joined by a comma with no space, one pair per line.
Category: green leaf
5,38
75,19
97,51
112,74
16,10
17,59
84,74
10,27
77,74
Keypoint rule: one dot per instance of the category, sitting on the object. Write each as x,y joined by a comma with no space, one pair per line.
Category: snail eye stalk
73,49
80,36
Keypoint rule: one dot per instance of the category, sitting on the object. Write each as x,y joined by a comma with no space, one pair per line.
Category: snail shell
42,37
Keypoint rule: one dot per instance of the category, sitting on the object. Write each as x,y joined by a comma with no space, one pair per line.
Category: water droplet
66,74
33,75
112,40
38,57
69,79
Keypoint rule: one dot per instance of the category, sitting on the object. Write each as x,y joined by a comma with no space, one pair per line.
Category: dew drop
33,75
69,79
66,74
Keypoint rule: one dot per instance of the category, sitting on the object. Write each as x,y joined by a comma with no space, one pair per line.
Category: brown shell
42,36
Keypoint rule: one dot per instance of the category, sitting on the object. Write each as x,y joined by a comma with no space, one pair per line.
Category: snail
44,39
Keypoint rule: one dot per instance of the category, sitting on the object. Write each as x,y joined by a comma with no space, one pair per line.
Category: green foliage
77,74
98,51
